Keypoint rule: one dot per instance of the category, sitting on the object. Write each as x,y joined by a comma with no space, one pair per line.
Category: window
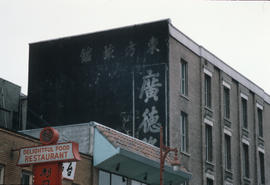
246,160
209,144
209,181
118,180
136,183
106,178
262,170
228,163
184,132
26,178
207,90
244,112
260,121
2,174
226,102
184,78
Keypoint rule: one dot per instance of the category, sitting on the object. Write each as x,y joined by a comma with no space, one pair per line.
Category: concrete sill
185,97
209,109
185,154
210,163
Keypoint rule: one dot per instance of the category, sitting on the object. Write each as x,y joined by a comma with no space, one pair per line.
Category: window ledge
184,96
227,119
261,139
229,171
208,108
247,180
245,130
185,154
210,163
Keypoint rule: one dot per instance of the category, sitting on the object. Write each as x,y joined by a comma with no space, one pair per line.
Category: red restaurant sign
49,153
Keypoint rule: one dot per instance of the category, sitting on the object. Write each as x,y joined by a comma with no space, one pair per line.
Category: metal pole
161,155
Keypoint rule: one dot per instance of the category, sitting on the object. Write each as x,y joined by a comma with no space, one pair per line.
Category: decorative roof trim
202,52
259,106
227,131
206,71
244,96
260,149
208,122
245,141
225,84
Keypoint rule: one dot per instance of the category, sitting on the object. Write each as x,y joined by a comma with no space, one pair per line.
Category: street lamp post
164,150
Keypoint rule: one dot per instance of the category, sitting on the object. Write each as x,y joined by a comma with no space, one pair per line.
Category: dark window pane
209,181
207,90
209,143
260,122
184,78
104,178
184,132
246,160
118,180
262,170
226,102
228,152
244,112
25,178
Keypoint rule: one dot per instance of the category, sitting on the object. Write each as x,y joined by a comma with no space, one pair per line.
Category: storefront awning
124,155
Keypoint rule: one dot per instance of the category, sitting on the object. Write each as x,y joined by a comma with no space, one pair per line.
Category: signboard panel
47,174
48,153
68,170
150,102
91,76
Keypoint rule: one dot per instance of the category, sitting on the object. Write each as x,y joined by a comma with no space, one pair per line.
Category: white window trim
210,176
244,96
2,174
260,149
208,122
228,183
225,84
206,71
245,141
227,132
259,106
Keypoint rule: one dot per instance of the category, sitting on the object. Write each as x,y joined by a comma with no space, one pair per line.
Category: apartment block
138,78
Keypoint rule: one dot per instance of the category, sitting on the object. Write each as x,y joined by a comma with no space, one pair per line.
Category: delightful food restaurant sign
47,159
49,153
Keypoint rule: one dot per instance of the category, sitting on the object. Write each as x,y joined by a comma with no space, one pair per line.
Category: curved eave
132,165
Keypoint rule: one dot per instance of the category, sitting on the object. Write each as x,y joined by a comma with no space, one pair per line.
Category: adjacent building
138,78
12,106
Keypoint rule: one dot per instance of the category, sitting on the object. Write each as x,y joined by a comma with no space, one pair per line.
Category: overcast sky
236,32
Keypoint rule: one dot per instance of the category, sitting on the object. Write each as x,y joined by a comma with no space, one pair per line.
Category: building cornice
210,57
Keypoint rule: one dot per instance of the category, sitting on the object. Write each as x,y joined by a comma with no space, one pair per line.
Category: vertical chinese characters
150,86
86,55
149,126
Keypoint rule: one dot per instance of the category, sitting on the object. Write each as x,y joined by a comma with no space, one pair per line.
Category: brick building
10,173
107,156
137,78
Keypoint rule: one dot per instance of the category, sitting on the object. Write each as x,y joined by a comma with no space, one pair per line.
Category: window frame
226,102
208,90
30,176
209,142
262,167
246,165
209,181
260,121
184,77
244,108
2,173
184,132
228,152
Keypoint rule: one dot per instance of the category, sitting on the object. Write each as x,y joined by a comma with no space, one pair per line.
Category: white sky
236,32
